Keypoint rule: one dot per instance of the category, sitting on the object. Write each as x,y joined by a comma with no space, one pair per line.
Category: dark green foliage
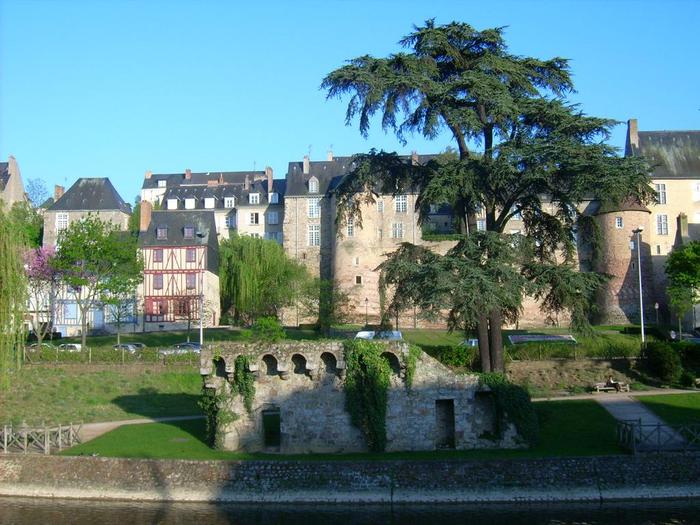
135,219
244,381
513,404
268,329
414,353
366,385
27,224
690,355
456,356
687,378
209,403
683,271
663,361
325,300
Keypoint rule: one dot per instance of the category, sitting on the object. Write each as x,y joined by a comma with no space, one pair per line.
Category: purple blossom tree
42,277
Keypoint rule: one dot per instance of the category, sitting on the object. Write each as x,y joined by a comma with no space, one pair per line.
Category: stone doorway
444,423
271,427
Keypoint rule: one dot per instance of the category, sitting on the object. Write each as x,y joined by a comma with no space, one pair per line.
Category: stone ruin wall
304,381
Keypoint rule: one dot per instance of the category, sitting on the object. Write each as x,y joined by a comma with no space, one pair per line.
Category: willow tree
257,279
522,148
13,291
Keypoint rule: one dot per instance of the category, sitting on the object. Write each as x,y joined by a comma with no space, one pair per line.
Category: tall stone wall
302,383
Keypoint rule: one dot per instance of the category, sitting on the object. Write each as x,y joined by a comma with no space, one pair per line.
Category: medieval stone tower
619,299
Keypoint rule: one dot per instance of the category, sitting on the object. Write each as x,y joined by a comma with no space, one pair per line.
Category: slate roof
328,173
629,204
200,179
674,154
4,174
220,192
175,222
91,194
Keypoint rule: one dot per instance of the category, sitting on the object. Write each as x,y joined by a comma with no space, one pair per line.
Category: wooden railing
38,440
635,436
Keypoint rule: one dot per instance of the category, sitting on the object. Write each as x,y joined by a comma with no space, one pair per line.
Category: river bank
598,479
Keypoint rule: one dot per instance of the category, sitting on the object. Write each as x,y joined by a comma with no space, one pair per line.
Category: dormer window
313,185
189,232
172,204
189,203
162,233
209,202
229,202
274,198
162,183
254,198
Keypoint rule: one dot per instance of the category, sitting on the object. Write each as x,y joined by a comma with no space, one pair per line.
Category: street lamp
638,232
366,311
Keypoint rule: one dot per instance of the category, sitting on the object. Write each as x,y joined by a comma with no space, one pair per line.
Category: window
273,217
658,249
401,203
191,255
356,261
254,198
172,204
274,236
229,202
254,218
274,198
189,232
190,281
183,307
397,230
358,279
189,204
660,193
157,281
481,225
313,185
662,224
618,223
380,233
231,220
70,311
61,221
434,208
158,256
162,233
209,202
314,207
162,183
314,235
351,227
380,206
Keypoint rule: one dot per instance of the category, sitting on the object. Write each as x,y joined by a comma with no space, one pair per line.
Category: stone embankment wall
565,479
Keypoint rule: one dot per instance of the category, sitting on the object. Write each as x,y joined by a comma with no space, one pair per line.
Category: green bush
457,356
690,355
268,329
513,404
687,378
663,362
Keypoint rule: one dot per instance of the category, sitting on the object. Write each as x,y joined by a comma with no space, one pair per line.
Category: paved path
613,395
92,430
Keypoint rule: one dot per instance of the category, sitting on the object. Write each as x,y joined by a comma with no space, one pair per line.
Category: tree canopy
522,149
683,272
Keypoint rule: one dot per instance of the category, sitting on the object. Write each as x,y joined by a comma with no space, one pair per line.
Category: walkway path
92,430
615,395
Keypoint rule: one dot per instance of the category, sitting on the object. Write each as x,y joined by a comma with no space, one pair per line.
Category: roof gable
93,194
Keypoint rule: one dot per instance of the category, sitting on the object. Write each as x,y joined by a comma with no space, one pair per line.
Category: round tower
618,301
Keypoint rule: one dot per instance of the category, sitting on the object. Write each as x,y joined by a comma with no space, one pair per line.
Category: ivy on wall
244,381
366,386
512,404
411,359
218,414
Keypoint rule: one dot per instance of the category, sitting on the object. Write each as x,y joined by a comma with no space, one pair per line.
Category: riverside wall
605,478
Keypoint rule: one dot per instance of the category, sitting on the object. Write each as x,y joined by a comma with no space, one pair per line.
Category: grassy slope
675,409
568,428
69,394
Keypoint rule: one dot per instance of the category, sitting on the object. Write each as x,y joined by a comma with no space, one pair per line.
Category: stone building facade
299,402
11,186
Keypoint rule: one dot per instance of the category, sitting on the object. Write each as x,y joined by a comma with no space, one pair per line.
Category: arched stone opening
330,363
393,361
299,364
270,365
220,367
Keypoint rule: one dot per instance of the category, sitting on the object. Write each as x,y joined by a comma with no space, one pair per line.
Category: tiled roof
202,179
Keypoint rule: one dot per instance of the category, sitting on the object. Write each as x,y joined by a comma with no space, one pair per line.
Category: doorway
445,423
271,427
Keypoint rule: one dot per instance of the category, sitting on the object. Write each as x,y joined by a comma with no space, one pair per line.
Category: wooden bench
604,387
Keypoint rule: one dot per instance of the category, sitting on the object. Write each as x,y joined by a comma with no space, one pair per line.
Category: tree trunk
496,329
483,333
83,331
118,332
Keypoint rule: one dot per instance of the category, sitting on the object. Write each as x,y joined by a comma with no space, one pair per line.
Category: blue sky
115,88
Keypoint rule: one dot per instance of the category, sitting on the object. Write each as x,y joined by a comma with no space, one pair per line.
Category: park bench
604,387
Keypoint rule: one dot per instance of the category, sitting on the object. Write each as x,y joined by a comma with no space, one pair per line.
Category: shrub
268,329
513,404
663,362
687,378
458,356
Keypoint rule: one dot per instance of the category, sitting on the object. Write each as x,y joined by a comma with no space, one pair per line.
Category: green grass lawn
64,394
675,409
568,428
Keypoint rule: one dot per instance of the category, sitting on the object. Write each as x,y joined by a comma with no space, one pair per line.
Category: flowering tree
42,277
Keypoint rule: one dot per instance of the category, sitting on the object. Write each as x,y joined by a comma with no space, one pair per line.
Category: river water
44,511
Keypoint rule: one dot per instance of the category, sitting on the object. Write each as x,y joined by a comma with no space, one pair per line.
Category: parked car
45,346
469,342
383,335
70,347
127,347
138,346
181,348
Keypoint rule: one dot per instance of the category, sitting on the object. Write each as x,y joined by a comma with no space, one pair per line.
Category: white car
70,347
384,335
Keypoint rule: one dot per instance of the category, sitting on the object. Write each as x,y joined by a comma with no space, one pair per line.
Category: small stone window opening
299,362
658,249
330,364
271,422
358,279
270,365
393,362
444,423
356,261
220,367
618,223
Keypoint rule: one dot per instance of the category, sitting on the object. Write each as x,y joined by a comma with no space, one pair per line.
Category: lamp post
638,232
366,311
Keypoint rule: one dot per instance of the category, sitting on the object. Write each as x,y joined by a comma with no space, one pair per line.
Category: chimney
188,174
632,142
148,175
268,174
306,164
221,179
145,219
414,158
329,157
246,185
58,192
